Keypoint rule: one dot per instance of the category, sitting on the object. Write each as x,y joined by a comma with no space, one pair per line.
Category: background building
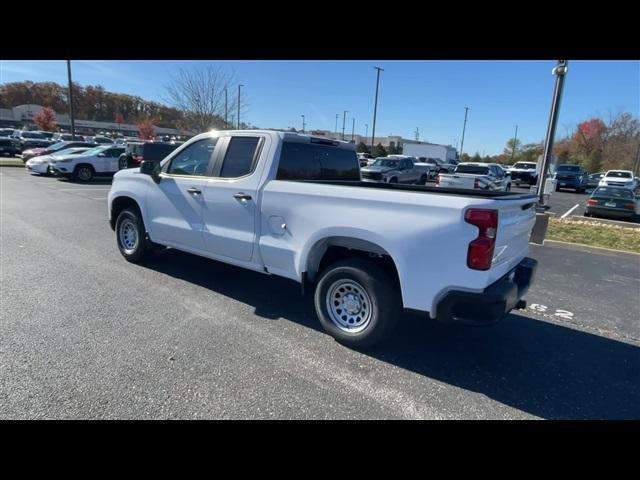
22,116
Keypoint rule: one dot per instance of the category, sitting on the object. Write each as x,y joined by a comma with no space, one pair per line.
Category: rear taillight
630,206
480,252
437,180
592,201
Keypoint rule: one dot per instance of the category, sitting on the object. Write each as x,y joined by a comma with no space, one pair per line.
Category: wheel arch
120,203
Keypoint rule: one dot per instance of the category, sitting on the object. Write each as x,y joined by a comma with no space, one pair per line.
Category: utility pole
417,132
515,139
375,106
353,128
303,124
336,129
464,126
344,118
240,85
560,70
636,164
73,125
226,108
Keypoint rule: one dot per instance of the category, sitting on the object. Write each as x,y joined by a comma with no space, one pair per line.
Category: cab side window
193,160
239,160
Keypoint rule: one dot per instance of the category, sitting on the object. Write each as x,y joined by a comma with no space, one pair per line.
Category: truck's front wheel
131,236
357,303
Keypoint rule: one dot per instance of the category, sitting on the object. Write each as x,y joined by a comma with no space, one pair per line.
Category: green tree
379,151
464,157
363,148
476,158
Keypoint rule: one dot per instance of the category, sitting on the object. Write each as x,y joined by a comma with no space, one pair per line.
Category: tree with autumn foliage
45,119
146,130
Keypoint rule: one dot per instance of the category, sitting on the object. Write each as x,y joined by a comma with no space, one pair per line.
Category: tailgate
515,221
457,181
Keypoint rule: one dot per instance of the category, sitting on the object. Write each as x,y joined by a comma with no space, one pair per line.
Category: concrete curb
605,221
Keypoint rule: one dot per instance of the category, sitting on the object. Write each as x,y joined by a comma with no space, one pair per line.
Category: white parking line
81,189
568,212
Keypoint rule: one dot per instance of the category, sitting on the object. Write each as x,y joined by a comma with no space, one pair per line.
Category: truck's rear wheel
357,303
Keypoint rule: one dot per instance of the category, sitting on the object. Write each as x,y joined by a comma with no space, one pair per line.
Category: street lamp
226,108
73,125
303,124
336,129
515,139
353,128
366,131
375,106
344,118
239,86
464,126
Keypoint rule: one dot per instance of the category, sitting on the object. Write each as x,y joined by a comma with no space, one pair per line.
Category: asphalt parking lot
87,335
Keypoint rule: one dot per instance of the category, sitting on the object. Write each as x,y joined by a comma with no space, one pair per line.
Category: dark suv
571,176
136,152
24,140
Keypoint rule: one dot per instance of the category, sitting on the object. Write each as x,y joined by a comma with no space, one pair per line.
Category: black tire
83,173
423,180
393,180
508,187
123,162
385,304
131,218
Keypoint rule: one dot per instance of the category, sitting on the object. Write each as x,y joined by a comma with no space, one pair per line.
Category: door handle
194,191
242,196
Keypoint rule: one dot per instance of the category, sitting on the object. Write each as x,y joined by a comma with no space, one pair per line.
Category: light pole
417,134
226,108
240,85
303,124
353,128
73,125
344,118
464,126
375,106
515,139
336,129
366,131
560,70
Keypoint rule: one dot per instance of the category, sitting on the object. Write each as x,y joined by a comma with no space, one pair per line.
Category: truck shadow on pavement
541,368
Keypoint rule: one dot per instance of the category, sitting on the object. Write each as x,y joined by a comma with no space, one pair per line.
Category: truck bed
463,192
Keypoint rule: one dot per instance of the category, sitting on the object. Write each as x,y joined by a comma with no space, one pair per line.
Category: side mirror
151,168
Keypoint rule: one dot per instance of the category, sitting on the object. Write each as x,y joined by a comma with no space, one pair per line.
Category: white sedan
41,164
619,178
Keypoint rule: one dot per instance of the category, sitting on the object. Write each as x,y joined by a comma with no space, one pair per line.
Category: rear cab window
312,161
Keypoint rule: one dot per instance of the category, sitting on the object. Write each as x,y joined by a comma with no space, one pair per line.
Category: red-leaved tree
590,139
45,119
146,130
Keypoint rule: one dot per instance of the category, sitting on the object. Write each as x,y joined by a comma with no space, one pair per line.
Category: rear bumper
610,212
569,183
492,304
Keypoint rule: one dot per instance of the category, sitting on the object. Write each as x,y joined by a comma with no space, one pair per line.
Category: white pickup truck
294,205
479,176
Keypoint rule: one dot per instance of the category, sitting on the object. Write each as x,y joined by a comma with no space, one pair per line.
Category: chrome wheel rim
84,173
349,306
128,235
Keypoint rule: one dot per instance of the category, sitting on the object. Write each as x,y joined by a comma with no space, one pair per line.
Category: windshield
385,162
568,168
525,165
473,169
95,151
613,192
58,146
619,174
69,151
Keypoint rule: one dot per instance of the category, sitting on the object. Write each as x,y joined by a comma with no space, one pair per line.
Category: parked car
8,146
67,137
56,147
593,180
475,175
100,140
6,132
437,165
41,164
612,202
364,158
524,172
571,176
619,178
293,205
47,135
24,140
98,161
393,170
135,152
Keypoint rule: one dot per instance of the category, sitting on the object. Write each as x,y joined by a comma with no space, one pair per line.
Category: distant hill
92,102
